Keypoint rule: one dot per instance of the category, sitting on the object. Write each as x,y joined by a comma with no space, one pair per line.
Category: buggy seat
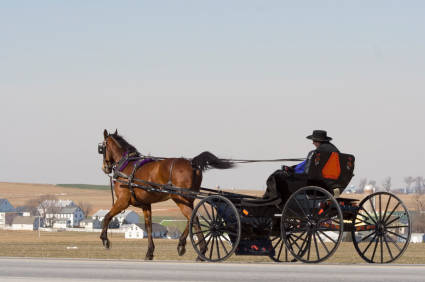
330,170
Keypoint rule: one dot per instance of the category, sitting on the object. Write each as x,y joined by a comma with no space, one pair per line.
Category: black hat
319,135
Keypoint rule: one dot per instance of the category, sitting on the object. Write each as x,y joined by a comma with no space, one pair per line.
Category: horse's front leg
119,206
147,212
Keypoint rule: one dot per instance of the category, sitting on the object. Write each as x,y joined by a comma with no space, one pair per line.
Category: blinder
101,148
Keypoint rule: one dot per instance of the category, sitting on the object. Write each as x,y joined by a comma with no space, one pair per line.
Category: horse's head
110,150
113,148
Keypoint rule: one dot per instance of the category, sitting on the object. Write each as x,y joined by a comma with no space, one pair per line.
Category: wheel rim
312,224
219,228
382,228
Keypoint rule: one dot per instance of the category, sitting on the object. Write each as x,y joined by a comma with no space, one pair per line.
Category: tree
85,207
386,184
408,180
361,186
419,185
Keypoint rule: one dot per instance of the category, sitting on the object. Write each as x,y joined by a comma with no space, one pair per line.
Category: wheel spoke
364,238
394,242
374,250
299,206
386,208
327,236
203,239
396,226
202,231
323,244
224,247
391,212
374,221
393,220
398,235
309,247
388,248
317,248
382,249
373,208
207,212
212,246
370,243
218,249
380,210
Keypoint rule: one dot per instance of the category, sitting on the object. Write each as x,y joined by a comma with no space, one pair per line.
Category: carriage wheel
215,228
280,252
312,224
382,228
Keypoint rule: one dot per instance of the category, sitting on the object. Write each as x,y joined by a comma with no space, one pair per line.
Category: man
282,183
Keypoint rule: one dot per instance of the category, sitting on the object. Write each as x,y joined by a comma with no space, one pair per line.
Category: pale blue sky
243,79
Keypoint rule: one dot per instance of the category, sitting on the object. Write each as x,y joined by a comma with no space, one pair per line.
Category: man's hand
287,170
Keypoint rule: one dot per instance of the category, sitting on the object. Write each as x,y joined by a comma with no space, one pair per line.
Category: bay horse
179,172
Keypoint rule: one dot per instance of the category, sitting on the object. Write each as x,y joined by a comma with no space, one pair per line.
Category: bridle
101,149
114,166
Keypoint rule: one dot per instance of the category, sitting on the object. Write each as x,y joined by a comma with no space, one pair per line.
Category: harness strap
171,173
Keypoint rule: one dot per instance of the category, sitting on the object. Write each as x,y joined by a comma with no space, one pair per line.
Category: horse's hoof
181,250
199,259
149,257
107,244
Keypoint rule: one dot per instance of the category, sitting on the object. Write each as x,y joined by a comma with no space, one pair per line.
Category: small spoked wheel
381,228
215,228
312,224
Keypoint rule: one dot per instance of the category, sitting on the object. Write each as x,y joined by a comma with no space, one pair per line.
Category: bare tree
386,184
408,180
419,188
418,216
361,186
85,207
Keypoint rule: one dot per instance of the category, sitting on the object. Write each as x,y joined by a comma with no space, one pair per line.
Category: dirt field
88,245
19,193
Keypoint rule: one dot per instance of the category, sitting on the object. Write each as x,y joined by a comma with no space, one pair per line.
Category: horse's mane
124,144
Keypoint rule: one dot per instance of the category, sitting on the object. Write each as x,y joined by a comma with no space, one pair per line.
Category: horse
179,172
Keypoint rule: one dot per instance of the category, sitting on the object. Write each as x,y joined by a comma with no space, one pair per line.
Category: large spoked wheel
215,228
279,252
382,228
312,224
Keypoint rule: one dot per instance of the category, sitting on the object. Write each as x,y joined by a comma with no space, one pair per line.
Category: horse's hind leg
147,212
119,206
186,208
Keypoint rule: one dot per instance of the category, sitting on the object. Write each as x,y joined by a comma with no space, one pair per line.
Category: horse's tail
206,160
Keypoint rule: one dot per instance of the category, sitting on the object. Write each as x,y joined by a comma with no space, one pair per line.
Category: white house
138,231
5,207
48,205
26,222
128,217
90,224
417,238
60,223
71,214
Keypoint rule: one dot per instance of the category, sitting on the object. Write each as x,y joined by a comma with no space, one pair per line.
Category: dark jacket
303,167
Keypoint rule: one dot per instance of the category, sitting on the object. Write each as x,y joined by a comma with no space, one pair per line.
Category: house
27,222
72,214
138,231
50,206
90,224
60,223
5,207
417,238
127,217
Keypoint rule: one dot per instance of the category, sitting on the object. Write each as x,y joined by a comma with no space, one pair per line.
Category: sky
242,79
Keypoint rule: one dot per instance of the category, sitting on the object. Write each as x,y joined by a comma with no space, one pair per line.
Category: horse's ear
116,132
105,134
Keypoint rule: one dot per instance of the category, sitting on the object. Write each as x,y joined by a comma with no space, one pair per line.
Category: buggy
308,226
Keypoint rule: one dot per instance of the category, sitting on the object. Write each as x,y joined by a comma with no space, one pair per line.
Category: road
23,269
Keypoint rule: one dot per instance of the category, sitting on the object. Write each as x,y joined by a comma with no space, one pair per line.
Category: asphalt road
23,269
